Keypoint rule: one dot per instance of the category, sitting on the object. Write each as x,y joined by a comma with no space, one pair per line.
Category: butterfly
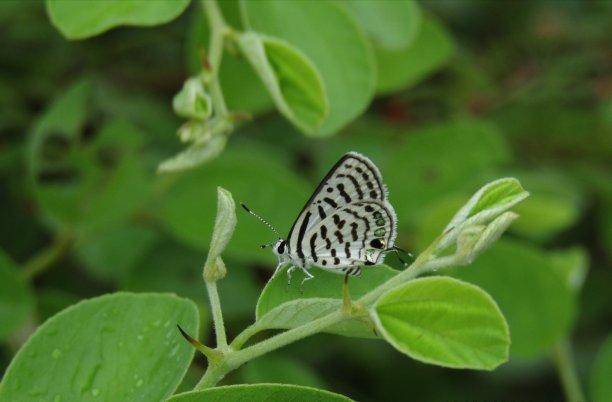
346,223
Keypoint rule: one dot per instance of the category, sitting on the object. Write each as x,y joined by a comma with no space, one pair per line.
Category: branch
45,258
218,30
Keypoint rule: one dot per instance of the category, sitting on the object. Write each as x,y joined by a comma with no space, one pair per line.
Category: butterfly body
347,222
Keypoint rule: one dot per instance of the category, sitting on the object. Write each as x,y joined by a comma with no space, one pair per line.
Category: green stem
234,359
215,307
218,31
564,362
45,258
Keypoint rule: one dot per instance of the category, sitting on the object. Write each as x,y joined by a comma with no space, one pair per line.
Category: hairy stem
218,30
45,258
215,307
564,362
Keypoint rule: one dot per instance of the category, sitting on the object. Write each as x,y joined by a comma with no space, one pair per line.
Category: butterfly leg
308,277
289,272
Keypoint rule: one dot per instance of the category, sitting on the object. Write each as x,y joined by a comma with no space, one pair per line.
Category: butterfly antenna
262,220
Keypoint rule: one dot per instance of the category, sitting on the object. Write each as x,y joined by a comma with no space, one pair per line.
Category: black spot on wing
343,193
322,213
339,236
347,249
301,233
331,202
313,239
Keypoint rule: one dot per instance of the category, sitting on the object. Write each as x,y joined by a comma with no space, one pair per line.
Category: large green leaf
110,254
85,181
259,393
282,306
430,50
601,372
444,321
293,82
118,347
534,296
330,37
253,175
442,159
391,24
16,299
86,18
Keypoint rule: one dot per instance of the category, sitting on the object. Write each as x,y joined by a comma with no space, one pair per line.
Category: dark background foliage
526,93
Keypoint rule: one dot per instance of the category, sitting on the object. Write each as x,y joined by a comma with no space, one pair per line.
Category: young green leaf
86,18
259,393
601,372
16,299
117,347
290,78
194,155
428,52
225,223
392,24
192,101
339,49
533,295
486,205
444,321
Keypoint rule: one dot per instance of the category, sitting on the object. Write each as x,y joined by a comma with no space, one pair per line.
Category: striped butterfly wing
357,234
353,179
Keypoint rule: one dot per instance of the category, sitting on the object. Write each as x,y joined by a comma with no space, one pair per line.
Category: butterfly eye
281,247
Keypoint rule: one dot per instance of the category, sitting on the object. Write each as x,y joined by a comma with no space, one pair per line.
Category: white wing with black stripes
347,222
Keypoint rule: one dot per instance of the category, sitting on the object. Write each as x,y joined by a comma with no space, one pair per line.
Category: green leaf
259,393
290,78
194,155
110,254
429,51
281,369
87,18
441,159
117,347
601,372
254,175
241,88
555,205
85,184
225,223
533,295
488,204
391,24
283,306
170,267
337,47
16,299
444,321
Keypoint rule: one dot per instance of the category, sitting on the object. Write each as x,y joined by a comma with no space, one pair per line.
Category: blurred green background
490,89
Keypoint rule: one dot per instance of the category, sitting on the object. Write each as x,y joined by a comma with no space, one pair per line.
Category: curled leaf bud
214,268
192,101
